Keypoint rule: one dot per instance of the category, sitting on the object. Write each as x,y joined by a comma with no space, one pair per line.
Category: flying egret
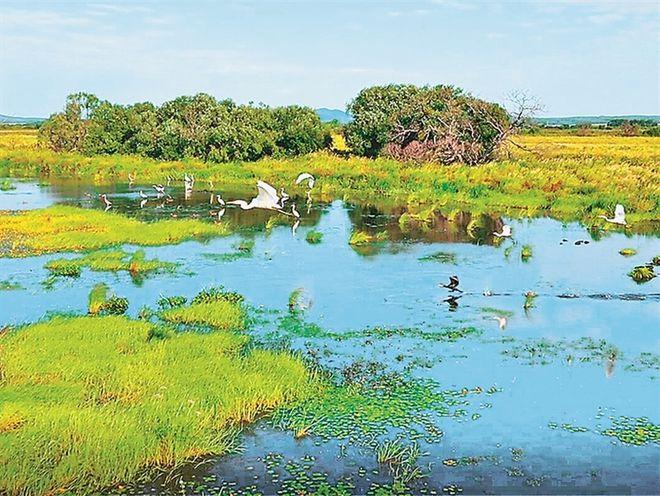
506,232
619,216
266,199
108,203
453,284
295,212
306,176
501,321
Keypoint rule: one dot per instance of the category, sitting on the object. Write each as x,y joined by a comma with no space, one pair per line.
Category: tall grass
86,402
568,176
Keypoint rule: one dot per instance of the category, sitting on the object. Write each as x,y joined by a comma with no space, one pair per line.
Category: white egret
294,228
142,195
506,232
266,199
488,292
143,202
160,189
295,212
306,176
619,216
108,203
220,200
501,321
283,197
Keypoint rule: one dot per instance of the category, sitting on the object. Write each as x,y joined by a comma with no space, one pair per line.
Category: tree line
439,124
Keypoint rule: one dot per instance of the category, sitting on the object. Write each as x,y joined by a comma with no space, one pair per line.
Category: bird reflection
610,364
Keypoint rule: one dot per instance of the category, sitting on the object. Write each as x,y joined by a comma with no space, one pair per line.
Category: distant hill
327,115
592,119
8,119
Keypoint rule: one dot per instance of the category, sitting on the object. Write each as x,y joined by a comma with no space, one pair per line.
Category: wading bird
295,212
506,232
160,189
143,202
142,195
501,321
294,227
453,284
221,212
619,216
488,292
220,200
108,203
283,197
266,199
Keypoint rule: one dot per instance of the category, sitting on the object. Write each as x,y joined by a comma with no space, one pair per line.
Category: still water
518,438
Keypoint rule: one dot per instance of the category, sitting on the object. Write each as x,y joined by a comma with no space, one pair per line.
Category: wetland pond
562,399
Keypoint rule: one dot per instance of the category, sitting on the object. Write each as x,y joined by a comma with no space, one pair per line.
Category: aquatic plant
167,302
102,303
636,431
148,396
642,273
109,261
63,228
314,237
627,252
360,238
526,253
544,351
243,249
440,257
10,285
497,311
656,260
6,185
217,293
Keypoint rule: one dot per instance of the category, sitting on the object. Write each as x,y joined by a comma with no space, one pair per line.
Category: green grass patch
218,314
64,228
102,302
243,249
87,402
314,237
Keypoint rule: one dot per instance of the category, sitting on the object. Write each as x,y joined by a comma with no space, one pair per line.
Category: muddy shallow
521,440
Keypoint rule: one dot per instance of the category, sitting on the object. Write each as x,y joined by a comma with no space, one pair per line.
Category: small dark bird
452,301
453,284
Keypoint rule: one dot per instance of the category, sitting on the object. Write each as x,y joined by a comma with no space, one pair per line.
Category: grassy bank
571,177
64,228
86,402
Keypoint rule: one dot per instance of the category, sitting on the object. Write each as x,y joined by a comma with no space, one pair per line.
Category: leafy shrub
219,293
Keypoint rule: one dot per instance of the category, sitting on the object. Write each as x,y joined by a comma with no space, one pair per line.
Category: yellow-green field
567,176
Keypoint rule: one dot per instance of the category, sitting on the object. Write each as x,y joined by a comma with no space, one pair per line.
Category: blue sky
579,57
